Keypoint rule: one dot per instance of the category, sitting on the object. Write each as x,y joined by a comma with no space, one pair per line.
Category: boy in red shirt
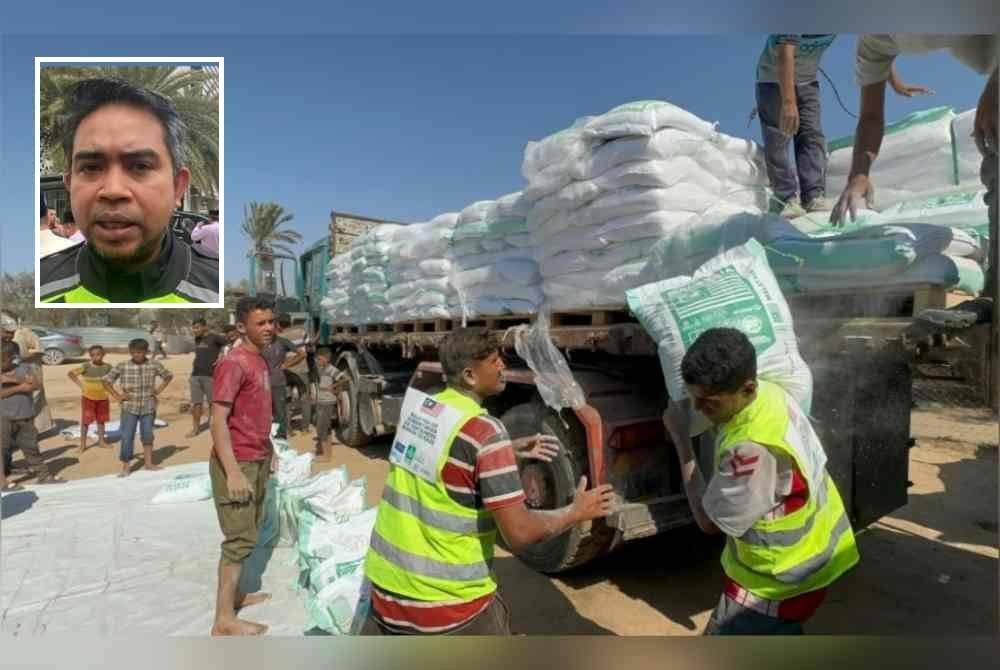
241,460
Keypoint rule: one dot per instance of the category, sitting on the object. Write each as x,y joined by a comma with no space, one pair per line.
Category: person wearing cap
206,233
124,149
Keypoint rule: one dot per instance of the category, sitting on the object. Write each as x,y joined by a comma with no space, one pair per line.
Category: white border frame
128,60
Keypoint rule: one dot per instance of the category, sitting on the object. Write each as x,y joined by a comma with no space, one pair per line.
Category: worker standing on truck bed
788,534
452,481
876,55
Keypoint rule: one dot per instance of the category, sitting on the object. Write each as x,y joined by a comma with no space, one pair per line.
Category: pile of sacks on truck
649,191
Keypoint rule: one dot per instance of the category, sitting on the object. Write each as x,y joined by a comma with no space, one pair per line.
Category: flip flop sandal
12,488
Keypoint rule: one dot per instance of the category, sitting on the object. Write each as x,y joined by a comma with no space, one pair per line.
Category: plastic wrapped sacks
736,289
916,155
968,159
494,269
606,191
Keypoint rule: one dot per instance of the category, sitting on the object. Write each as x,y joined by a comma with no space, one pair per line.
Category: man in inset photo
125,155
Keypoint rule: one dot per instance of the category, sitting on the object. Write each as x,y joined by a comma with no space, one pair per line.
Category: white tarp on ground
96,557
111,430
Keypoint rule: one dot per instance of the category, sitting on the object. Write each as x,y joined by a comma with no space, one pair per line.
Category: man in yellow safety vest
453,480
788,536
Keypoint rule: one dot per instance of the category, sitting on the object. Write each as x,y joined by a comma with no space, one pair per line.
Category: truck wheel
553,485
53,356
348,429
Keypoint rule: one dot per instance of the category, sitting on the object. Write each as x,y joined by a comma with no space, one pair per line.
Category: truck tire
553,485
349,431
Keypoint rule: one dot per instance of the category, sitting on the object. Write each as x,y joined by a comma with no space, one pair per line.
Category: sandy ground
931,567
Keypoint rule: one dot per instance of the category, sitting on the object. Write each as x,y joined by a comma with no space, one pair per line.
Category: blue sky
406,127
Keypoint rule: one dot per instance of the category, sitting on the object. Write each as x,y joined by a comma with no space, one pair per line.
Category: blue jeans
128,424
808,176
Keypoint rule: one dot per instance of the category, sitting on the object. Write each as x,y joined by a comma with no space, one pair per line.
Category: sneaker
819,204
792,209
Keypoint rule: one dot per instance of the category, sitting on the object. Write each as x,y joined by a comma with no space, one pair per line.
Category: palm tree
191,92
262,224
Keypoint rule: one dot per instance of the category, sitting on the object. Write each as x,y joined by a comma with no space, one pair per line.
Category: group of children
138,382
137,391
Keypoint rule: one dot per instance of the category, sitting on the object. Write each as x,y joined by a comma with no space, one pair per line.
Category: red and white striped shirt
480,473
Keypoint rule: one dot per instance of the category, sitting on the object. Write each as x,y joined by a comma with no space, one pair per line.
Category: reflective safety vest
814,545
80,294
426,546
180,274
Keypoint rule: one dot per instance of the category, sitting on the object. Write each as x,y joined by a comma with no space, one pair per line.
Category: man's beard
131,260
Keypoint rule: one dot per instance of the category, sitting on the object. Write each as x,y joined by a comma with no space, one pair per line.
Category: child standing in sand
139,397
94,404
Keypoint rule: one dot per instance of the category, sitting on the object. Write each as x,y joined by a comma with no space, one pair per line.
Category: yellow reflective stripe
428,567
787,537
82,295
439,519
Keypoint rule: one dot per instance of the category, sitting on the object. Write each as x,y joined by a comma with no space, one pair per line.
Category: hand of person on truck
538,447
789,118
857,195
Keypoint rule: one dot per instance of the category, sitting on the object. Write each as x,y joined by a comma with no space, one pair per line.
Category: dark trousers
808,176
279,410
21,434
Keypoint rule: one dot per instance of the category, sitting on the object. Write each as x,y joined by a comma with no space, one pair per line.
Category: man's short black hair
97,347
721,360
464,346
251,303
10,348
324,351
199,322
228,328
213,213
284,320
138,344
89,95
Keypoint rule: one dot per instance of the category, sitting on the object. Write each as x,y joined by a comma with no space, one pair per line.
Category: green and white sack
736,289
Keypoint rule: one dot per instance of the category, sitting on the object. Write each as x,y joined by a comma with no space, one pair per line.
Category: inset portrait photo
129,173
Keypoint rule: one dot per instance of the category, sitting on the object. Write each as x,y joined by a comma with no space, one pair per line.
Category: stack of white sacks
607,190
495,272
369,284
648,191
337,302
926,153
420,271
